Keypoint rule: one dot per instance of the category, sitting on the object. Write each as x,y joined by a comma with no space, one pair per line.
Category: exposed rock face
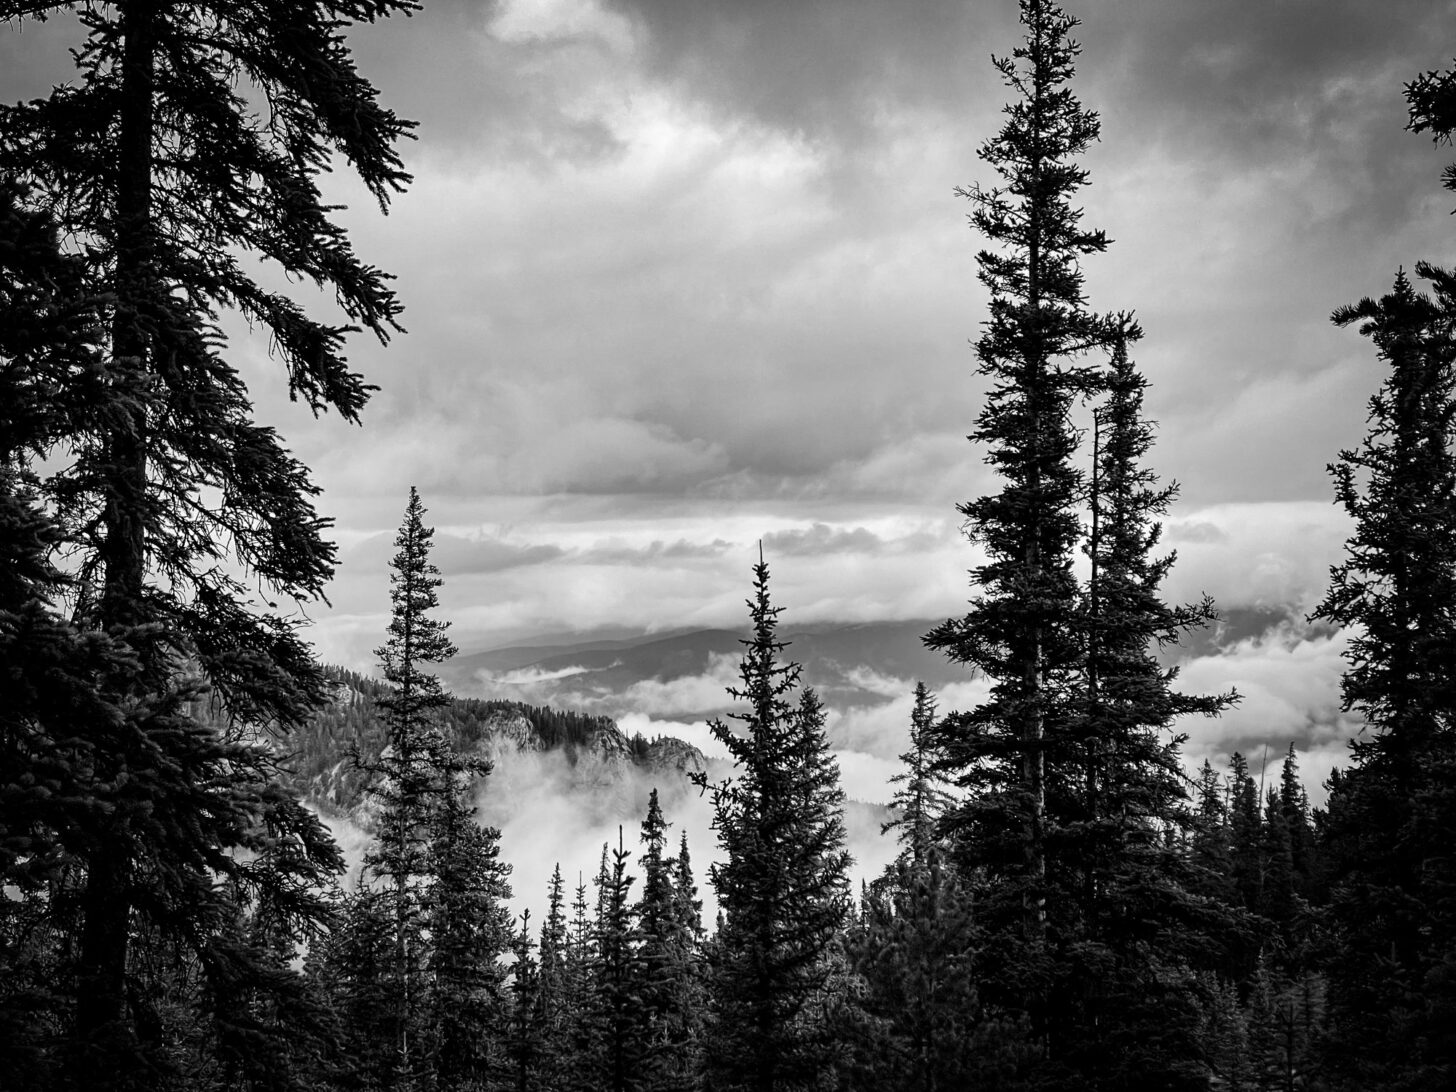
506,733
341,747
608,746
667,753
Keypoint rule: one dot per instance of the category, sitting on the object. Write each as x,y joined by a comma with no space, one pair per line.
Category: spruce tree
1074,788
922,799
915,951
174,508
52,673
409,785
554,985
576,1065
1294,807
353,968
782,886
469,932
685,892
1393,814
670,987
1022,630
1120,789
1246,833
1431,103
525,1044
620,1017
1209,842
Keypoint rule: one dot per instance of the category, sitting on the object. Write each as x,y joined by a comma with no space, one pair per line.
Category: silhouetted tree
464,906
620,1017
1431,101
1021,631
782,885
921,798
525,1044
671,994
1393,814
175,509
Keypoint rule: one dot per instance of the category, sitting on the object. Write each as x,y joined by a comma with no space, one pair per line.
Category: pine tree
1075,790
1118,792
1021,632
555,998
1431,102
1210,843
1246,833
526,1042
1392,818
1224,1038
353,967
469,932
685,893
670,990
921,799
915,951
620,1017
49,668
1133,780
1294,807
576,1065
782,887
166,180
409,786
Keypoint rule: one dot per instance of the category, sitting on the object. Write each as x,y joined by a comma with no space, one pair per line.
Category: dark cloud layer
682,276
821,67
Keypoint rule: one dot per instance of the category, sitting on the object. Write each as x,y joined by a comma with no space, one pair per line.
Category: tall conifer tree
782,889
469,930
1074,784
1392,816
1127,806
921,798
1022,630
158,166
670,994
620,1018
409,785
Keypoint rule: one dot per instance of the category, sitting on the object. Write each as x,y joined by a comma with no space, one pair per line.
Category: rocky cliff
333,755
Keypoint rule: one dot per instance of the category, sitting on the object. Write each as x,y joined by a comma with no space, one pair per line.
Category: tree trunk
101,1030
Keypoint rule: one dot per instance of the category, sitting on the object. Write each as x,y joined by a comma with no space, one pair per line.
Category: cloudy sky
685,274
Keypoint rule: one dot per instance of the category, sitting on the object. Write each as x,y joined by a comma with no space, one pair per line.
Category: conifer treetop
1035,279
414,637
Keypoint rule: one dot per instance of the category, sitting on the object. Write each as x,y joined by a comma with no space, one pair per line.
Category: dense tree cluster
1069,909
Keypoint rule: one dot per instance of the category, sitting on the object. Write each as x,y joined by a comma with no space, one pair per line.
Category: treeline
423,981
331,756
1069,910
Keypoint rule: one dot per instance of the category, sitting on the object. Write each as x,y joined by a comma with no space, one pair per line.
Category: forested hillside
330,757
1070,907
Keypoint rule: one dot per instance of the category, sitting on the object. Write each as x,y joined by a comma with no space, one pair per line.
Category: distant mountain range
849,664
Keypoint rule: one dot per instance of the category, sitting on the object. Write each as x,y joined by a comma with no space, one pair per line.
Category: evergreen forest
1071,907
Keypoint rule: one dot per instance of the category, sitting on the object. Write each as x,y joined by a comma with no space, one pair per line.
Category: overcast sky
682,274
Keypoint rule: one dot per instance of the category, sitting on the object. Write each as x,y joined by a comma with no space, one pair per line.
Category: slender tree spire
1021,630
410,785
921,798
782,888
1391,815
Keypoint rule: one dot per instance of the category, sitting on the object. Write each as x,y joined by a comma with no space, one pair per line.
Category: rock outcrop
336,752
